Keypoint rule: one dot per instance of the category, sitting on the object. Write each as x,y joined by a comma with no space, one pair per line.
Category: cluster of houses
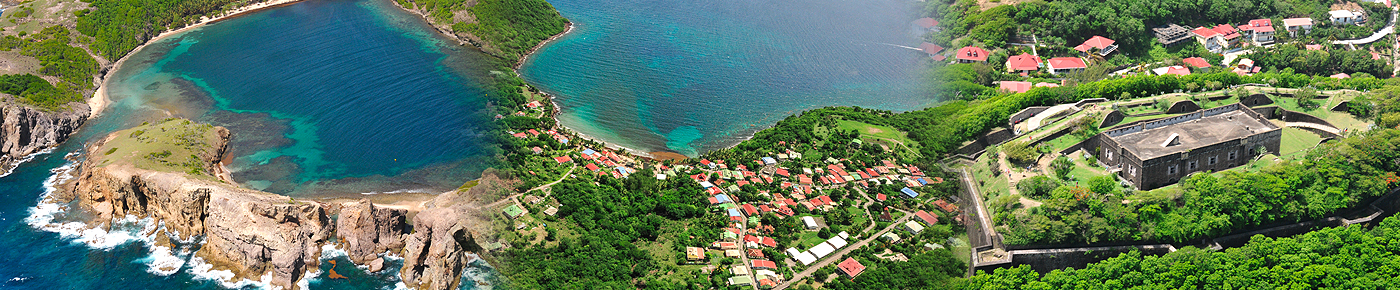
532,133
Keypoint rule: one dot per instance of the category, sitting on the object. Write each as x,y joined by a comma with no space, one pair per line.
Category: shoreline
568,27
99,99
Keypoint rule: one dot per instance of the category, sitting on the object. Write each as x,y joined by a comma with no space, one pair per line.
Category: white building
821,250
809,222
1346,17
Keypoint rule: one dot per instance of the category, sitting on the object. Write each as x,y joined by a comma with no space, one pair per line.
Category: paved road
834,257
1389,28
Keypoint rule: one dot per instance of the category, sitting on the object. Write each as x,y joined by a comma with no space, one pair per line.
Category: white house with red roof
1172,70
972,54
850,268
1260,31
1060,65
1228,34
1102,45
1023,63
1293,25
1209,38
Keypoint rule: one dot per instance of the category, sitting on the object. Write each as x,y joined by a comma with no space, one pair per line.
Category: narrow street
838,255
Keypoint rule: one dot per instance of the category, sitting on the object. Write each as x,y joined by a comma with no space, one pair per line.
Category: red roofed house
562,159
1015,87
880,196
750,210
850,268
972,54
931,49
1209,38
1103,45
1060,65
928,218
1196,62
1340,76
755,254
591,167
1172,70
1024,63
764,265
1228,34
518,135
1261,31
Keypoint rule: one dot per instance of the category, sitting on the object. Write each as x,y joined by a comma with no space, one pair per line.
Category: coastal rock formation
26,130
249,232
367,230
436,252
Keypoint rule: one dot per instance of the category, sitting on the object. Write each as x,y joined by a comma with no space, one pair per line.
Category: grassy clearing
871,132
859,219
175,145
1297,141
1083,171
808,239
1064,142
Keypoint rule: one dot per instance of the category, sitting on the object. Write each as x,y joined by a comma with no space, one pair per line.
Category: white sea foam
27,158
202,270
398,191
43,217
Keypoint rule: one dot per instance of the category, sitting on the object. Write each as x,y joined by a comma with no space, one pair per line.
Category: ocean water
693,76
327,96
323,97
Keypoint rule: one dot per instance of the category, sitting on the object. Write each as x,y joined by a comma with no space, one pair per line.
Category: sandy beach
99,98
569,27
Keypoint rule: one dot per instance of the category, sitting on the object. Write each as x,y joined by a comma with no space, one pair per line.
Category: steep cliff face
26,130
253,233
365,230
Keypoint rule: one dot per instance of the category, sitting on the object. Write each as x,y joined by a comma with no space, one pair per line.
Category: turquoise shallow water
692,76
333,96
323,96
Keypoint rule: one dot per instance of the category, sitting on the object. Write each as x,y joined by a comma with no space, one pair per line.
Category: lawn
1296,141
873,133
990,186
1083,171
1064,142
859,219
808,239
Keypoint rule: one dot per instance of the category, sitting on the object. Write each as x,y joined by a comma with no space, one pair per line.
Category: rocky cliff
26,130
253,233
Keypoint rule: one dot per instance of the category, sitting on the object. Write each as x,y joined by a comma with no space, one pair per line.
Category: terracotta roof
1098,42
928,218
973,53
1067,63
1019,87
1024,61
1313,46
1196,62
1226,31
930,48
1340,76
1205,32
851,267
1177,70
926,22
1261,25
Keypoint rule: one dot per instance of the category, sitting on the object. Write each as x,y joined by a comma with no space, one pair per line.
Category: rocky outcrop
25,130
248,232
436,252
256,234
365,230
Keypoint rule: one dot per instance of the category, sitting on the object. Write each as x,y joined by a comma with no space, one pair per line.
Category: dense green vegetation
514,26
119,26
1319,62
1332,177
51,46
1332,258
511,27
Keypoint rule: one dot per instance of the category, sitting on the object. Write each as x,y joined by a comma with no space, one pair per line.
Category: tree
1019,152
1062,167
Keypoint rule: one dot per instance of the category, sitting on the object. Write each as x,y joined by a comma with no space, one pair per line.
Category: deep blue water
693,76
323,97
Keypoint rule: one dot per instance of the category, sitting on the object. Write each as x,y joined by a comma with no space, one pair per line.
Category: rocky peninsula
170,172
26,130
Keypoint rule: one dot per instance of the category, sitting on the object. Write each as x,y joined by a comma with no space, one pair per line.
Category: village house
1229,37
1196,62
1172,70
1293,25
513,211
1060,65
971,54
1209,38
932,50
1023,63
1260,31
850,268
1098,44
1346,17
926,24
1160,152
694,253
1014,86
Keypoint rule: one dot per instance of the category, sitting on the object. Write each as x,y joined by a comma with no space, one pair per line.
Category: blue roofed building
722,198
769,161
909,192
733,212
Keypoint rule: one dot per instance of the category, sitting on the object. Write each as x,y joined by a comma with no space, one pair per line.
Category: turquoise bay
324,97
693,76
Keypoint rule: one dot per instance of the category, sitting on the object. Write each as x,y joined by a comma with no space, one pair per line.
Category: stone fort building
1160,152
